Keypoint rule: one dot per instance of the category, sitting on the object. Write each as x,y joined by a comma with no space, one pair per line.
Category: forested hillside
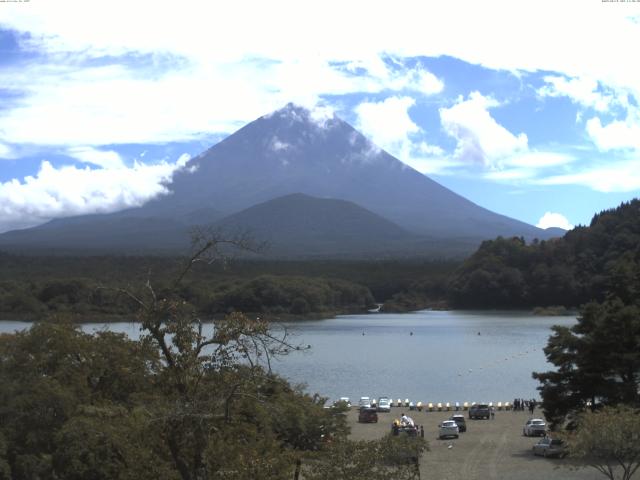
86,288
587,264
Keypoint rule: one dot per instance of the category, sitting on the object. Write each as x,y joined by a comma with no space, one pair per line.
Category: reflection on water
425,356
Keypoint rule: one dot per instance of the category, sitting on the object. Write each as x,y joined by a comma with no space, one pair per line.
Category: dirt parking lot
489,449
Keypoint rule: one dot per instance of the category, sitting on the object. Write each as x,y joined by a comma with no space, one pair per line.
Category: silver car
384,404
448,428
550,447
534,426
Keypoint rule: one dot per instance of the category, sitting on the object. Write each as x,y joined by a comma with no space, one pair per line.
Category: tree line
33,288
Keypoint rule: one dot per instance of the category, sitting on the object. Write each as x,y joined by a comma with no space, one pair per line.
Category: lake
428,356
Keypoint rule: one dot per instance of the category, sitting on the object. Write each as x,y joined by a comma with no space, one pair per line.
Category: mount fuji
309,186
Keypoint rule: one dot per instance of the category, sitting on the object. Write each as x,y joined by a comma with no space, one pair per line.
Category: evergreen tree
597,360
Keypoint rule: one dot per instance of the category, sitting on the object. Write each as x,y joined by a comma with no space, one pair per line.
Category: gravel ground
489,449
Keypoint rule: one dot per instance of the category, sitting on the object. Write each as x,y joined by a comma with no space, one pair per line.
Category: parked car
480,410
368,415
550,447
384,404
533,427
460,421
448,428
365,402
342,401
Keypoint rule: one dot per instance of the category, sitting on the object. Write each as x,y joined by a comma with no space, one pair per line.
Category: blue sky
530,109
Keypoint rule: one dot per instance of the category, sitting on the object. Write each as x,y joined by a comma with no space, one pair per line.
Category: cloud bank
70,190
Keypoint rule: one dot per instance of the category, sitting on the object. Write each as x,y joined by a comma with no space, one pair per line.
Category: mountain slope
303,225
287,152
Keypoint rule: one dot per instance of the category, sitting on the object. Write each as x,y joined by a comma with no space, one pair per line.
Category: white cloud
550,219
277,145
321,115
539,159
480,139
511,174
287,30
212,89
619,134
69,190
117,104
418,80
101,158
619,176
428,83
580,90
387,122
430,150
5,151
390,127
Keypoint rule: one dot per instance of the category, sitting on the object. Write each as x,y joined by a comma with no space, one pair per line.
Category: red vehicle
368,415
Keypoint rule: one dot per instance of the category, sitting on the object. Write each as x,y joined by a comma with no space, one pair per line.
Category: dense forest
588,264
89,288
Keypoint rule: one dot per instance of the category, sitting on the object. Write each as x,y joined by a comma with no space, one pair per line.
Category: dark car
480,410
368,415
460,421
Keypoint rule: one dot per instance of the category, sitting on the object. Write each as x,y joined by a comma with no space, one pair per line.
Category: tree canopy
609,441
182,402
597,361
588,264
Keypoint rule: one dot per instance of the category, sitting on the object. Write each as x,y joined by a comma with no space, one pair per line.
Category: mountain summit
290,151
293,151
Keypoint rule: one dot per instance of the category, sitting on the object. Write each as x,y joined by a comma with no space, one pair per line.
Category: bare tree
237,349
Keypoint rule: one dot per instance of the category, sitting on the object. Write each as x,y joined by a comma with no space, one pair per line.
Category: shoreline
78,318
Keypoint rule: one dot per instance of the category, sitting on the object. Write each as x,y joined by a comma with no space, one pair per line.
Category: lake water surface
428,356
